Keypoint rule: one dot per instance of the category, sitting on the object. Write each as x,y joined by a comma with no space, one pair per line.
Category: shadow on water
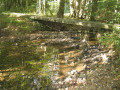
44,63
27,64
21,61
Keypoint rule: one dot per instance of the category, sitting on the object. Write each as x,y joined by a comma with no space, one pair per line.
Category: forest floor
98,74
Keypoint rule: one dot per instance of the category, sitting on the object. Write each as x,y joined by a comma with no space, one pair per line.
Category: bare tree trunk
94,9
26,4
78,8
60,13
87,14
83,9
44,7
71,8
39,7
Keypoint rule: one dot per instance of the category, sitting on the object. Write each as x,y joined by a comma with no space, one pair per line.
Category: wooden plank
77,22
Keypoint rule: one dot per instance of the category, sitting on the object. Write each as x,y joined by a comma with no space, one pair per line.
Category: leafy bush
108,10
112,38
3,21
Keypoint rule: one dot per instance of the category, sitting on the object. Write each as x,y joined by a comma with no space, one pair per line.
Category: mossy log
77,22
68,21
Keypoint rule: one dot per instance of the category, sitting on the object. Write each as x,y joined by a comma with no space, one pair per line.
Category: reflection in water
54,62
66,60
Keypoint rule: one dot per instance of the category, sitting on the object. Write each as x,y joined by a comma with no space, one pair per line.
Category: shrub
112,38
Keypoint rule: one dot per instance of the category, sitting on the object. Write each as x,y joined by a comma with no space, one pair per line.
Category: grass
19,25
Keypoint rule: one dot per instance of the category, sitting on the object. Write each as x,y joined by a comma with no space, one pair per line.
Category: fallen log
83,23
77,22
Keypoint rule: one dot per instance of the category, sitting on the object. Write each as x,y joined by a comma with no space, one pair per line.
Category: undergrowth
113,39
20,25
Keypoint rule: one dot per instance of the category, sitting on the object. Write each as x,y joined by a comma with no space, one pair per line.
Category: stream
54,60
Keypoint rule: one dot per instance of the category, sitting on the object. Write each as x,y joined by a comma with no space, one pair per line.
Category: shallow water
43,61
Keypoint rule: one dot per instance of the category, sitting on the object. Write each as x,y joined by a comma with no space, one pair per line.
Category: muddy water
43,61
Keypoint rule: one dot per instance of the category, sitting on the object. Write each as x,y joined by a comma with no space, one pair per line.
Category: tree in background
107,11
38,7
60,13
41,7
78,8
18,5
94,9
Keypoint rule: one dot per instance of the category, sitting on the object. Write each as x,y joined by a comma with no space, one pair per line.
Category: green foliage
112,38
0,52
25,55
26,82
108,11
41,27
20,25
18,5
3,21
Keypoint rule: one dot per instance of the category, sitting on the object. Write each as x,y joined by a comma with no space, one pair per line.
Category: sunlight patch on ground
13,14
16,14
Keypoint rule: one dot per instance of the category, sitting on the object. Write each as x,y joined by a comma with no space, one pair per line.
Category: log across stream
84,23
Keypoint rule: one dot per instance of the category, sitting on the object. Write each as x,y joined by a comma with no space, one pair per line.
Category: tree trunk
74,4
83,9
92,18
39,7
71,8
26,4
94,9
60,13
78,8
44,7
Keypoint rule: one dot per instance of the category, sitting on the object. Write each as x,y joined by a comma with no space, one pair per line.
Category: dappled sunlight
10,73
56,59
104,58
14,54
17,14
63,66
59,45
2,76
99,36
